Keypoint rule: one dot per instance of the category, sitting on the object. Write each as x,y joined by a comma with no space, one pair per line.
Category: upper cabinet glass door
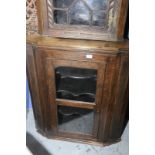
84,19
80,12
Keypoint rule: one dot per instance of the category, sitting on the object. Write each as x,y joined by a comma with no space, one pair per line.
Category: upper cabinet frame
83,19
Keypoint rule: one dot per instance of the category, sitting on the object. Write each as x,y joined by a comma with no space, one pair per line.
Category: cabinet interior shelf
72,103
76,84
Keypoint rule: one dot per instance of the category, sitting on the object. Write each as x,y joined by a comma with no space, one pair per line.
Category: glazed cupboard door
84,19
74,94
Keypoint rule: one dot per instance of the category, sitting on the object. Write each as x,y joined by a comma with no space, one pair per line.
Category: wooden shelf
79,104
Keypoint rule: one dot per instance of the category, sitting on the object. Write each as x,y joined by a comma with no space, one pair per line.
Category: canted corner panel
33,84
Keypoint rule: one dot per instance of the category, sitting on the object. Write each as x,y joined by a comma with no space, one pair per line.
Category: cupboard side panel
121,100
108,99
122,19
40,58
33,85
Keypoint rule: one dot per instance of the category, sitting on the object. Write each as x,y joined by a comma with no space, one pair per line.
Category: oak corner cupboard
79,88
78,82
83,19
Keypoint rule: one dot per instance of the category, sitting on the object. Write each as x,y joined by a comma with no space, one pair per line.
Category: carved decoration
31,17
50,13
113,8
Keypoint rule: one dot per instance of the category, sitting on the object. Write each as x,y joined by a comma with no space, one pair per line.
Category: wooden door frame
51,63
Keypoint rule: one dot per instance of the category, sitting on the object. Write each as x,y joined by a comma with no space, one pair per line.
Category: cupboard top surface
78,44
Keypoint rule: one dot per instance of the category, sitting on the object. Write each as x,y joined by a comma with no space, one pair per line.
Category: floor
40,145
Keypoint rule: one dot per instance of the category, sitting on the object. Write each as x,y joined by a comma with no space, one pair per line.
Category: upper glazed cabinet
83,19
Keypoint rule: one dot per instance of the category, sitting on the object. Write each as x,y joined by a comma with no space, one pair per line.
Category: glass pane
97,4
62,3
99,19
60,17
79,14
75,120
76,84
